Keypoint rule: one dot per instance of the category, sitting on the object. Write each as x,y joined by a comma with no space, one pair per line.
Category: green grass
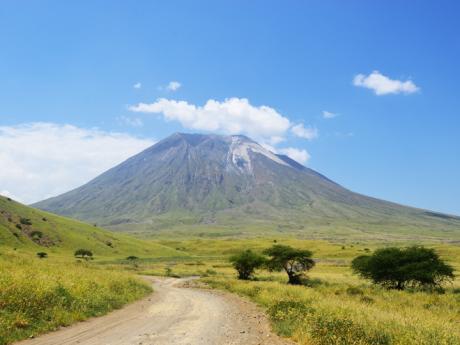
352,313
339,308
61,236
39,295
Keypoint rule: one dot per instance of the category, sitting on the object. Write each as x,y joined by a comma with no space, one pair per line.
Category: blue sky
76,64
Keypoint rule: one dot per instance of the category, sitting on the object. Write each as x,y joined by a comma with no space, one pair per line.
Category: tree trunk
294,279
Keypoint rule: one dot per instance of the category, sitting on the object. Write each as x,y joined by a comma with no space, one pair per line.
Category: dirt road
172,315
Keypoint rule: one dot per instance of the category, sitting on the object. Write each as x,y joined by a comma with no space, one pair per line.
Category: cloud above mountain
40,160
231,116
308,133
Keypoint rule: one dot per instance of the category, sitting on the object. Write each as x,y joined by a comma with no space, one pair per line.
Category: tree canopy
83,253
246,263
294,261
398,268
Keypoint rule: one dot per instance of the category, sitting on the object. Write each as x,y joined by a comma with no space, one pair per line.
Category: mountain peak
207,178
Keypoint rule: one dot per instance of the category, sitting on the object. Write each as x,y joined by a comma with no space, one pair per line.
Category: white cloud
40,160
173,86
301,156
232,116
137,85
308,133
383,85
329,115
130,121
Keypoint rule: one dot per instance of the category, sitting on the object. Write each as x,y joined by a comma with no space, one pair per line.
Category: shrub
25,221
42,255
83,253
246,263
294,261
397,268
36,234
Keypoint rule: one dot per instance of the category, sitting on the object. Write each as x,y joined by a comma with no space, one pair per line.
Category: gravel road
172,315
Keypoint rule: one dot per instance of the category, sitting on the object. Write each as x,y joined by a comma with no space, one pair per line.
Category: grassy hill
31,230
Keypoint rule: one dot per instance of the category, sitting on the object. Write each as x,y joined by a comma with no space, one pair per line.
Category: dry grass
37,296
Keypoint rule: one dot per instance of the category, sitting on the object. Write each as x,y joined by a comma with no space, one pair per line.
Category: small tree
132,258
246,263
397,268
294,261
83,253
42,255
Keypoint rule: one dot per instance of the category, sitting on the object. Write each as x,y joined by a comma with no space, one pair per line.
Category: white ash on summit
239,153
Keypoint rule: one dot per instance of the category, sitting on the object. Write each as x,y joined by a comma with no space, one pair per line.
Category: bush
42,255
294,261
36,234
246,263
25,221
397,268
83,253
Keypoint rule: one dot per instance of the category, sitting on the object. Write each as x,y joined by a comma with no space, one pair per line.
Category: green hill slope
26,228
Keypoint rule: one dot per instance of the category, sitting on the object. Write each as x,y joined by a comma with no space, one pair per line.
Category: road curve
171,315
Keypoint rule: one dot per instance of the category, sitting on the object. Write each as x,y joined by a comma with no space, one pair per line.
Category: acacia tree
83,253
246,263
397,268
294,261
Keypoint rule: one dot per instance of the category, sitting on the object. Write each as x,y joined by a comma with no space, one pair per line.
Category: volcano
214,181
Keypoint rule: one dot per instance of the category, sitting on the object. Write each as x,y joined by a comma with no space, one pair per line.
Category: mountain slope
30,229
213,181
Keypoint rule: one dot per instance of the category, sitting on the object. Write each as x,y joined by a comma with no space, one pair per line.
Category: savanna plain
41,294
